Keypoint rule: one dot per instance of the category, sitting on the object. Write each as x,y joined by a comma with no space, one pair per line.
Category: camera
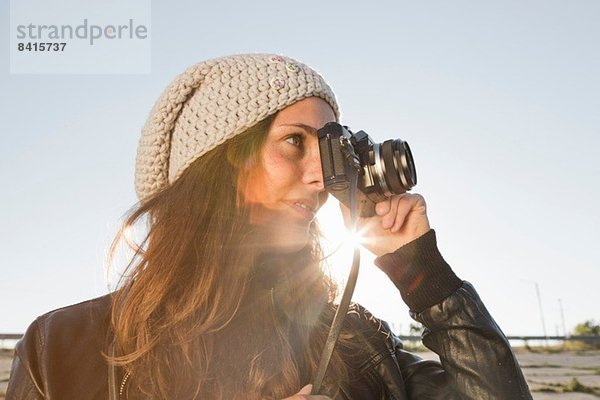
381,170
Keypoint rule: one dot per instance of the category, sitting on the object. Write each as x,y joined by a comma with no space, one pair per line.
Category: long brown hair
199,312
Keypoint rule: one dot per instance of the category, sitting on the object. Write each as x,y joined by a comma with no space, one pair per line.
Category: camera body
381,169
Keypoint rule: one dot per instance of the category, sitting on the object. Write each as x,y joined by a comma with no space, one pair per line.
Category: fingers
304,393
383,207
306,389
399,220
395,210
387,211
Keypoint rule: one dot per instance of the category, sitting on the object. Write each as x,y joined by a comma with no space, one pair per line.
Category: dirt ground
550,375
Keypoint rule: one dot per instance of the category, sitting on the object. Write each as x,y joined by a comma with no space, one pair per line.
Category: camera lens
394,167
408,171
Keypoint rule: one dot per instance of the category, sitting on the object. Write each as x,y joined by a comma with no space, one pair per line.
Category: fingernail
306,389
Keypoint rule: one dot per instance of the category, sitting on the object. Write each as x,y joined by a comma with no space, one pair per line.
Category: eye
295,139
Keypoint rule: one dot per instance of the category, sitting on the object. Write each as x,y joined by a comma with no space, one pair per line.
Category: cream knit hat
212,102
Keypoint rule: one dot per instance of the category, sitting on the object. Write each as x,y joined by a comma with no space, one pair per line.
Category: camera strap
342,310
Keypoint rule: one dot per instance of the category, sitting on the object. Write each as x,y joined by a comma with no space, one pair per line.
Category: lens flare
353,237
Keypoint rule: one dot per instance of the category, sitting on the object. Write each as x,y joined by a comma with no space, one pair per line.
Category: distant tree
588,328
415,329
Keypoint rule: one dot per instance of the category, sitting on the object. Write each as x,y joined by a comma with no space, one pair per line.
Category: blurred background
498,100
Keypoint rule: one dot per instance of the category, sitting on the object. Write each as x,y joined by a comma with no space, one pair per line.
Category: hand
304,393
400,219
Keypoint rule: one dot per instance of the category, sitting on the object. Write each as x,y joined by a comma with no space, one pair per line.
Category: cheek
280,174
268,183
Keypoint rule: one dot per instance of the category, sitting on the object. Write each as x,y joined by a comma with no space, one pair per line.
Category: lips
304,209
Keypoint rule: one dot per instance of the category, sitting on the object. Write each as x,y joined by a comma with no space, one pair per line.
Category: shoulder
85,321
66,342
361,317
374,334
373,356
89,309
363,320
88,319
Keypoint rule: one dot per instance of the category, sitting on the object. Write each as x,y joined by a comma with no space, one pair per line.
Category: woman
224,298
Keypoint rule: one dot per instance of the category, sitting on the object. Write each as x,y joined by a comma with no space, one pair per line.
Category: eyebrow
307,128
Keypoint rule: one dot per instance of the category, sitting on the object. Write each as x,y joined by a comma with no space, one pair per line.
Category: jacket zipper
123,385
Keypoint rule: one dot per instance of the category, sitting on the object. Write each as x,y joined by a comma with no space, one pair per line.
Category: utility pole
539,298
537,290
562,317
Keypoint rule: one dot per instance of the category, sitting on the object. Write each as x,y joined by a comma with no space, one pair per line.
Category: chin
289,240
288,248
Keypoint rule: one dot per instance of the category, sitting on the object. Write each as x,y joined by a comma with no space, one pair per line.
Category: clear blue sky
499,100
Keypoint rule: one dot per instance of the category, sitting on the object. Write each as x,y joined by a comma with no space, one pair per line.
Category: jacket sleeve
476,359
25,382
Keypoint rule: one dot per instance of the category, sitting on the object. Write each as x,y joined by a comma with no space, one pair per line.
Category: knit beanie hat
212,102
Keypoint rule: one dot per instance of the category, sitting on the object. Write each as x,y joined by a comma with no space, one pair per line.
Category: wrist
420,272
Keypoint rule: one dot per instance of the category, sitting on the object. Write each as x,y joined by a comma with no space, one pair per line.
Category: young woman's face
285,189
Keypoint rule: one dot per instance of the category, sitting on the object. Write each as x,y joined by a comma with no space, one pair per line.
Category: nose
313,173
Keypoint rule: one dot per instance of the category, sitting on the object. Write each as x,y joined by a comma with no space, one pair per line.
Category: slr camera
380,169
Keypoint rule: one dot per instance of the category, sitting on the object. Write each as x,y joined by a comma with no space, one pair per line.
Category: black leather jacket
60,356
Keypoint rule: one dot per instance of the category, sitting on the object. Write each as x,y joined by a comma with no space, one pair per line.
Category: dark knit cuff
420,272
